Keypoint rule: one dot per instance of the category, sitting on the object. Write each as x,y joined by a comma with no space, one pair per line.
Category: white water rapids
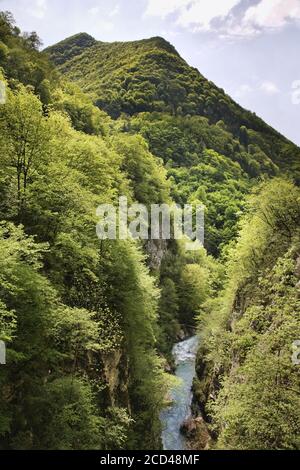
172,417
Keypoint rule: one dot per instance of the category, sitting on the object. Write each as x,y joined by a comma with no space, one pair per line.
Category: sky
250,48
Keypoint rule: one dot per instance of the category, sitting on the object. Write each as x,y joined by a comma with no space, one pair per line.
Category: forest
89,325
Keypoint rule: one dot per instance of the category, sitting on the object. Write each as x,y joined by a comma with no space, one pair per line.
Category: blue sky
248,47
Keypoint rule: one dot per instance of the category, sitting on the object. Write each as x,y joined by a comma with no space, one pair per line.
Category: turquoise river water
172,417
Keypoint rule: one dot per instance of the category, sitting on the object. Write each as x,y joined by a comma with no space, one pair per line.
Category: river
172,417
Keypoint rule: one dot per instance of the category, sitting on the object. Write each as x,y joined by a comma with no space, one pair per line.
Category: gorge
89,326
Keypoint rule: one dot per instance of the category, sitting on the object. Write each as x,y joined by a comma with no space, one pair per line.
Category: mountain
150,76
71,47
184,117
146,75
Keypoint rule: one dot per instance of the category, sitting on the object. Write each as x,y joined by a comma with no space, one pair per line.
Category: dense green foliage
82,319
89,325
203,168
20,58
150,76
183,117
63,318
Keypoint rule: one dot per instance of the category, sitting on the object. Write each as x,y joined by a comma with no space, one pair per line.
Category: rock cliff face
156,250
116,374
196,432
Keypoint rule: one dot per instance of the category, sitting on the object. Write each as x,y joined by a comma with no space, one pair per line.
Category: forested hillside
248,386
79,317
150,76
89,325
213,149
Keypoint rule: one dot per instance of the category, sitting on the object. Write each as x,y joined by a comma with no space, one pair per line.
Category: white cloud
202,12
103,16
115,11
169,33
94,11
192,13
266,87
272,13
198,15
296,92
39,9
105,25
269,88
163,8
